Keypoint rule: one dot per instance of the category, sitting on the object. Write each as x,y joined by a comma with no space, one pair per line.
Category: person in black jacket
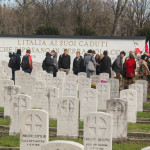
97,59
16,67
48,63
108,63
78,64
64,62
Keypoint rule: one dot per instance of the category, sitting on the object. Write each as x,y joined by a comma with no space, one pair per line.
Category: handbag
91,66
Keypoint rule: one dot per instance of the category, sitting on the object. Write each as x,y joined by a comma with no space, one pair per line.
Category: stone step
139,140
1,115
146,110
138,135
9,148
4,130
144,122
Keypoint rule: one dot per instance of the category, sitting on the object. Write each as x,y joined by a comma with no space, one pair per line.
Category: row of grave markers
68,109
88,99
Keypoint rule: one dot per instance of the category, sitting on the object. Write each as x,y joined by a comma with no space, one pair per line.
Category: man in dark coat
16,67
108,63
64,62
117,65
48,63
78,64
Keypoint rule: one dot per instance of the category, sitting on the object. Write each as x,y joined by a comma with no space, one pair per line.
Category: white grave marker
9,92
34,129
118,109
88,101
37,94
50,101
98,131
62,145
19,103
84,83
139,89
114,88
145,86
131,97
103,95
70,89
68,113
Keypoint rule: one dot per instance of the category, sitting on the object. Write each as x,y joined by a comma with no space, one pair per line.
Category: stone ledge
9,148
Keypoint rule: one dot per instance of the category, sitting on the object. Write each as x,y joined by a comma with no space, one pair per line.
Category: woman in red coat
130,68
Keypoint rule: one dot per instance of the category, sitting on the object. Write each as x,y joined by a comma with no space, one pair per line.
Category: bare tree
117,7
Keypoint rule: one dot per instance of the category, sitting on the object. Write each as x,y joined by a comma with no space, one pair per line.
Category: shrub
83,30
47,30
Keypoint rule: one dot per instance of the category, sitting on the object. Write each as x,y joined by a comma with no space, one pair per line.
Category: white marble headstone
37,94
146,148
61,74
114,88
145,86
118,109
95,79
62,145
19,78
104,76
28,83
48,77
81,74
3,84
57,82
98,131
130,96
103,95
139,89
88,101
71,78
9,92
84,83
34,129
70,89
50,101
18,104
67,120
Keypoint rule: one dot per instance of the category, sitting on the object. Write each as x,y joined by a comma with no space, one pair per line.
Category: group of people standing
100,63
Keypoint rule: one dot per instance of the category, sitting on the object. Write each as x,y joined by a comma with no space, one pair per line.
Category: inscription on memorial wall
43,45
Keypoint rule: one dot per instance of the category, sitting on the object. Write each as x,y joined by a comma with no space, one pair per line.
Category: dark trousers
13,75
27,70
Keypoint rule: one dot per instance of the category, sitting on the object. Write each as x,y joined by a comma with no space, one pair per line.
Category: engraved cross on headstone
33,123
97,126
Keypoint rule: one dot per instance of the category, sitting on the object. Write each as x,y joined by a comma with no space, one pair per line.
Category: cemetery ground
138,133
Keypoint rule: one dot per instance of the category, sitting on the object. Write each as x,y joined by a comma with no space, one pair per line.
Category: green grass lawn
14,141
4,121
146,105
143,114
1,109
132,127
10,141
139,127
148,95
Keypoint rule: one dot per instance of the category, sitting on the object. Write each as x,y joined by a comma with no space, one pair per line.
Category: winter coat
124,70
97,66
86,62
64,61
130,68
117,65
49,67
78,65
105,65
18,60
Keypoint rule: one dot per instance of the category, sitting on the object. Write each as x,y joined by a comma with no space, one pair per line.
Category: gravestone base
14,133
67,137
